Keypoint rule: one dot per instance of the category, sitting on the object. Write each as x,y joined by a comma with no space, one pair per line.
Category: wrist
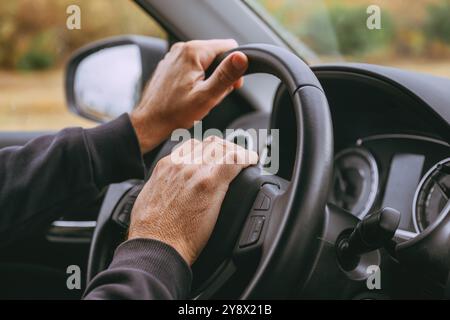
178,246
147,131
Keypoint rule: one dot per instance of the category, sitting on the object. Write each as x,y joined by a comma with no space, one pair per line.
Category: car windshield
413,35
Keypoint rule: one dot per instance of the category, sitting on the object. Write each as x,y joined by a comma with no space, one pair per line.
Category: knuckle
231,157
213,139
231,147
177,46
209,139
179,166
164,163
189,145
205,182
190,49
235,43
189,171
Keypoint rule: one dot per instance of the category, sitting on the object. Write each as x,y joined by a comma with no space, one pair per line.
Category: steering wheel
266,237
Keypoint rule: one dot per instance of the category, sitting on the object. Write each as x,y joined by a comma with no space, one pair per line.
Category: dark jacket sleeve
58,174
142,269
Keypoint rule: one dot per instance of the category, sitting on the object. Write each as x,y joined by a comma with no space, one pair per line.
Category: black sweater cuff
159,260
114,152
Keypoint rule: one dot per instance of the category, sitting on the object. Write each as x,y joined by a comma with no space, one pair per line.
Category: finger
213,48
225,152
184,151
198,152
186,147
227,74
241,157
214,150
195,154
239,84
234,162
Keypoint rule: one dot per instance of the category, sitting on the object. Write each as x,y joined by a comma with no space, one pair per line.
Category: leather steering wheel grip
277,61
290,257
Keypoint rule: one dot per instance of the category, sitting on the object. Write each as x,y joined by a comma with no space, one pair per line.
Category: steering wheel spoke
246,242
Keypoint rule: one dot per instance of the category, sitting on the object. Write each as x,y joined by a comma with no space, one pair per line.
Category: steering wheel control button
260,212
253,231
123,211
263,200
124,216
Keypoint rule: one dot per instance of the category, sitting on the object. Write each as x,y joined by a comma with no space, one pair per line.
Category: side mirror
106,78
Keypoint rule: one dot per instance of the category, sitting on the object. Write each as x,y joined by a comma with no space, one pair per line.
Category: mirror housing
91,90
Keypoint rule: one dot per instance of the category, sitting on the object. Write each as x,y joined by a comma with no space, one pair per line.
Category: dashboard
405,172
391,146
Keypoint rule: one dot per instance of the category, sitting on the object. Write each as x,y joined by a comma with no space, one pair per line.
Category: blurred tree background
411,30
34,46
33,33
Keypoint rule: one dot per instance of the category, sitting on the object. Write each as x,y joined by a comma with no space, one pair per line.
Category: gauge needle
443,190
341,181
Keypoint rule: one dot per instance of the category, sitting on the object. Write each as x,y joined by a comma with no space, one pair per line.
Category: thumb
227,74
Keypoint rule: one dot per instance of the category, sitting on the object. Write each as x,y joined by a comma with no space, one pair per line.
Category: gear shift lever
373,232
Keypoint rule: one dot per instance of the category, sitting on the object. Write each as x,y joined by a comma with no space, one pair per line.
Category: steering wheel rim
289,242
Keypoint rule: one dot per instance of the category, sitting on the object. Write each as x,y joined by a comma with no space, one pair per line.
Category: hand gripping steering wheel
266,237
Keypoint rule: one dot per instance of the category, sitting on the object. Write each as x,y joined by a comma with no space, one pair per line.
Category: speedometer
355,181
432,195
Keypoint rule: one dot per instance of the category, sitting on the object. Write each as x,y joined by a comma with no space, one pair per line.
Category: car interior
363,179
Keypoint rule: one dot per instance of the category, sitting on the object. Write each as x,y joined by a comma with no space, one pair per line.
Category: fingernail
239,62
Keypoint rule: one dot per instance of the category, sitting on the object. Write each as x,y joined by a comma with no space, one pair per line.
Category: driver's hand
178,94
180,203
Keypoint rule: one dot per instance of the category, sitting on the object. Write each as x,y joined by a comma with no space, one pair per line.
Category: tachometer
432,195
355,181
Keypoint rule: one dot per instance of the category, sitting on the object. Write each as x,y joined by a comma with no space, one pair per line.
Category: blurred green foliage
437,25
347,32
39,54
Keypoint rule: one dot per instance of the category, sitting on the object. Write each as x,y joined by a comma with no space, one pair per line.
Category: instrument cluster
405,172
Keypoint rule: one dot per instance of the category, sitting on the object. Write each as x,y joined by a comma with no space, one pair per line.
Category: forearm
61,173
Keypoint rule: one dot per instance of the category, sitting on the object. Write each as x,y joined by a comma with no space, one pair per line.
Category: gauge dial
432,195
355,181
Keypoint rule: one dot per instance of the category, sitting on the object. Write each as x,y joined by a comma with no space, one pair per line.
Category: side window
36,39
